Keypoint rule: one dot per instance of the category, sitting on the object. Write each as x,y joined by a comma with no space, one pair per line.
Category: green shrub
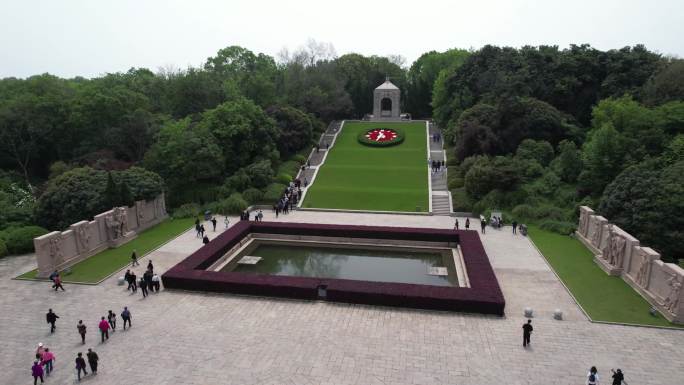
252,195
3,248
188,210
524,212
560,227
454,182
19,240
460,200
298,158
234,204
290,167
283,178
273,192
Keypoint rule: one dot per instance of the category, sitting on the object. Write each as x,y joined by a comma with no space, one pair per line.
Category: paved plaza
195,338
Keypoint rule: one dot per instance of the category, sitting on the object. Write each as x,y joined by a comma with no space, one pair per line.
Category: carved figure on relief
644,270
671,302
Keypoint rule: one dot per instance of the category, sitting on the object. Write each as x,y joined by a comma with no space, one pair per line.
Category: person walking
197,228
134,259
456,224
515,226
37,372
52,277
483,225
156,283
467,224
40,351
592,376
148,280
111,319
226,221
58,283
213,223
202,230
261,215
143,286
92,360
527,332
81,330
150,266
104,329
126,317
80,365
47,361
133,281
51,319
618,377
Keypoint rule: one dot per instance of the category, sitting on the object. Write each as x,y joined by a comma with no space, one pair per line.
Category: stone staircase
440,205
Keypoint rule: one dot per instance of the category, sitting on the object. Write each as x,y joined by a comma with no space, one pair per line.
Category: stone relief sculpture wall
620,254
59,250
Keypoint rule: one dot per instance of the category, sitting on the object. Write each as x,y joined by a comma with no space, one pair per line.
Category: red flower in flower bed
381,137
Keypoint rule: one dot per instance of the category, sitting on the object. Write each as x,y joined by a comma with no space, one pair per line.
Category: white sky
92,37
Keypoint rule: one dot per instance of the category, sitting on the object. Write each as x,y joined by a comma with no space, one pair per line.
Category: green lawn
603,297
359,177
101,265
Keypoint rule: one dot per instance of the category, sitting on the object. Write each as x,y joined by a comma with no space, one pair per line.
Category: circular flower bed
381,137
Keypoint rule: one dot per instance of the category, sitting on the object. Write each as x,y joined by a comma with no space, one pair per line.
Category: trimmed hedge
483,296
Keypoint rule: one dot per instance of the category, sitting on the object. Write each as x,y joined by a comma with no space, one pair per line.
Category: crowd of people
45,359
437,166
149,282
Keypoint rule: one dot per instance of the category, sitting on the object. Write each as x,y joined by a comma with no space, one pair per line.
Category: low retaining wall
620,254
483,296
59,250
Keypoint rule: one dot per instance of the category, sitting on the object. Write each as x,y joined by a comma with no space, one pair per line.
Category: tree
568,163
112,192
539,151
125,194
604,155
242,131
500,173
295,129
666,85
644,200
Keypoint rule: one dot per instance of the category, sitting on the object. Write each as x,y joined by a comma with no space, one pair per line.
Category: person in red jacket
104,329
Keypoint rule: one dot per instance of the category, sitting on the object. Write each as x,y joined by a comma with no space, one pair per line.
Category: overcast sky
92,37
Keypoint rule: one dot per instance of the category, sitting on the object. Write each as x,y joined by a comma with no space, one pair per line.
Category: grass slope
101,265
359,177
603,297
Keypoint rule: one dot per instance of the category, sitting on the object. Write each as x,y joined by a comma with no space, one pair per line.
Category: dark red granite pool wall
483,296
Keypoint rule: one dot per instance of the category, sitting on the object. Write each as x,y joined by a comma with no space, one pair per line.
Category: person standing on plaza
226,221
92,360
80,365
47,361
527,332
81,330
133,283
202,230
143,286
467,223
148,280
104,329
592,376
37,372
150,266
40,351
134,259
456,224
111,319
261,215
515,226
197,228
483,225
51,319
58,283
155,283
126,317
213,223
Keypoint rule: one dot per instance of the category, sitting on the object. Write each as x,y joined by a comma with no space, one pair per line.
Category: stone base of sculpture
586,242
607,267
114,243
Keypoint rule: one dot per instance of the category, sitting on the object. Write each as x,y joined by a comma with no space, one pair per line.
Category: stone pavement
195,338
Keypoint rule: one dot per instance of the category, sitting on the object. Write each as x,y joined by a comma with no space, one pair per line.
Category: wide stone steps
439,182
440,205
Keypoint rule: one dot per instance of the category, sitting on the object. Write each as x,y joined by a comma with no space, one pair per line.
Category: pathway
183,337
439,191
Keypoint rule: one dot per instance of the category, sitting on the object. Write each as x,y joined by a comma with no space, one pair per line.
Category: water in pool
349,263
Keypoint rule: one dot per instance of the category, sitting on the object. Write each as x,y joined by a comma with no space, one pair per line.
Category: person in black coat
527,332
92,360
51,319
